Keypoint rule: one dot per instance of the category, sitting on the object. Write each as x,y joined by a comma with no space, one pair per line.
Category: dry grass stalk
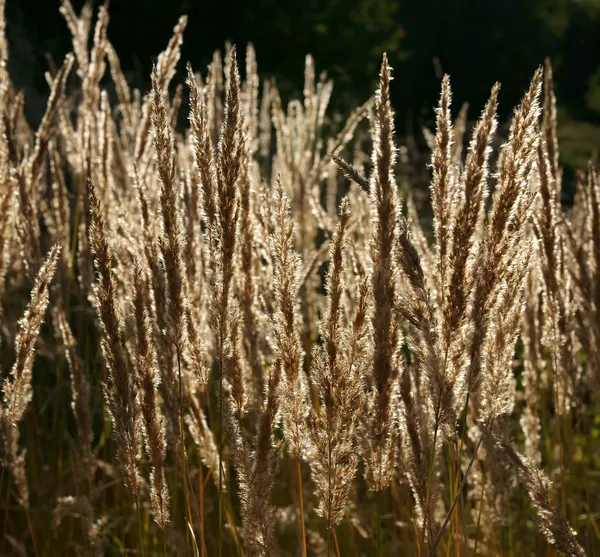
287,345
470,198
81,508
532,365
30,168
436,413
497,385
170,241
559,333
80,396
17,389
337,368
203,149
505,228
442,184
120,392
257,468
153,426
379,433
351,173
550,522
398,340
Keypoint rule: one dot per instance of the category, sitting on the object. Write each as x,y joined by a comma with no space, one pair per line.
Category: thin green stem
335,541
379,541
510,536
430,472
5,520
201,497
300,490
328,491
182,440
220,378
450,464
139,521
559,437
460,449
479,513
2,479
462,485
31,533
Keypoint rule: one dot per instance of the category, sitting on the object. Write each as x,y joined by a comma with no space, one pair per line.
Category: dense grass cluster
248,345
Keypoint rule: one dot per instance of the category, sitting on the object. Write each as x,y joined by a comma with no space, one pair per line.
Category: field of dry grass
230,335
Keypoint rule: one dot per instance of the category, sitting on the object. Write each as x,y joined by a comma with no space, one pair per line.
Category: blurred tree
476,42
592,95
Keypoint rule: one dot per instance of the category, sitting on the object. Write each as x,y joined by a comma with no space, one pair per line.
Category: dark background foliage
477,42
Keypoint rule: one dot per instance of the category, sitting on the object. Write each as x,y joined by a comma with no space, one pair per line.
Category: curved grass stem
300,490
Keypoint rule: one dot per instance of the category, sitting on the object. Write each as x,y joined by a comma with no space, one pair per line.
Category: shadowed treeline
475,42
